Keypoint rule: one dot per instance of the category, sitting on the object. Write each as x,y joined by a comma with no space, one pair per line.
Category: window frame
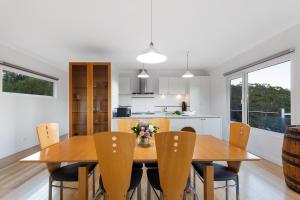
5,68
245,89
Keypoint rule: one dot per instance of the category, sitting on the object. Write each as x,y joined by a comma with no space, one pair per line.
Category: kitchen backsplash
156,104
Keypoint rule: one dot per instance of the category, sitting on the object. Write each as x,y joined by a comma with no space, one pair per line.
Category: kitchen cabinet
211,126
124,85
163,86
199,94
172,86
89,98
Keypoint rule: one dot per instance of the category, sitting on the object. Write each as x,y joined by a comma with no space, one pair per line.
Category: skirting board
17,156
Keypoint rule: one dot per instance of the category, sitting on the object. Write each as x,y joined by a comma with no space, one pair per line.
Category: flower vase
143,141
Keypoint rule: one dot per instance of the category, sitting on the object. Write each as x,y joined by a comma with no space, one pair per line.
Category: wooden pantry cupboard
89,97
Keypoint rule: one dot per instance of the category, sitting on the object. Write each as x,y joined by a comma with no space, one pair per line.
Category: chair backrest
188,129
162,123
125,125
115,152
174,157
48,134
239,136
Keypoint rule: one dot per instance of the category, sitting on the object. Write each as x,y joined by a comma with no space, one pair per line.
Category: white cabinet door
176,124
124,85
195,123
163,86
199,93
177,86
212,126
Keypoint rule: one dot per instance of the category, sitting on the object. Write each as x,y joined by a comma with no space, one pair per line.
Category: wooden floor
258,181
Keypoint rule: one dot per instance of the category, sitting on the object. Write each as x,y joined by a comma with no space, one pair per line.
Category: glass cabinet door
100,98
79,99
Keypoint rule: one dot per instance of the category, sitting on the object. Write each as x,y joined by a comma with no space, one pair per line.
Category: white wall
263,143
19,114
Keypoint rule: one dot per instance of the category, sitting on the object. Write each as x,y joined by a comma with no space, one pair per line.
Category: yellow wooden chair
115,152
162,123
239,135
48,134
125,125
174,156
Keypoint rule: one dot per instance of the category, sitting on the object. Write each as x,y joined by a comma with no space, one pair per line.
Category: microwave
123,112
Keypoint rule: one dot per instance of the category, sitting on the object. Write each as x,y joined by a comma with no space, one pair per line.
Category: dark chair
119,175
48,134
239,135
174,157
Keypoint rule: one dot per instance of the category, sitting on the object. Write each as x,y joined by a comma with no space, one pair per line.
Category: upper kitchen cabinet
124,85
199,94
89,98
172,85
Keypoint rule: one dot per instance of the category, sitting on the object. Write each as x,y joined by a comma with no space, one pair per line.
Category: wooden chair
239,135
162,123
125,125
188,129
174,155
48,134
115,152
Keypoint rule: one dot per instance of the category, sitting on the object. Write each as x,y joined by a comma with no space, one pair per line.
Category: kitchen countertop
171,116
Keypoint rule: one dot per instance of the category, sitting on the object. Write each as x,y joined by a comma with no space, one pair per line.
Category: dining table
208,149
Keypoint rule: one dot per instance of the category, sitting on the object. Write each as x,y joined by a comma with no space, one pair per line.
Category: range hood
142,89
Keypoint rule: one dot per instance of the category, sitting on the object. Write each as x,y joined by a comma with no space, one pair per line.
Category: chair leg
139,192
237,188
226,189
50,188
194,183
61,190
148,191
94,183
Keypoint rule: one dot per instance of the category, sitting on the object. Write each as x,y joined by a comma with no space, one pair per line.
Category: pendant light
143,73
187,73
151,55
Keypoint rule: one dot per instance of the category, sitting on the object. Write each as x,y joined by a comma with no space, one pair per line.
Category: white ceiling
118,30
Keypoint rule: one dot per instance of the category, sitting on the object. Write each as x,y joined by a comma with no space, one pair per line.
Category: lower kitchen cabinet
202,125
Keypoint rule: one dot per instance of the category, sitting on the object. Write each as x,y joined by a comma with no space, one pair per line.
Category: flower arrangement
144,130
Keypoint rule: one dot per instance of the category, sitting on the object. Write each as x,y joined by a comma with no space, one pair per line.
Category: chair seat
136,176
69,173
153,178
221,172
138,165
151,165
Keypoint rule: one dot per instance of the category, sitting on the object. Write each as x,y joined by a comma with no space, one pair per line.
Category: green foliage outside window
264,107
18,83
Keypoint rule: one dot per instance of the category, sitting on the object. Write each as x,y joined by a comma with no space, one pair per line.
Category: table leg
83,183
208,181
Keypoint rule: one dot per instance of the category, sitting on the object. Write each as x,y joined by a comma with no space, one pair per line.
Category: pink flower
142,128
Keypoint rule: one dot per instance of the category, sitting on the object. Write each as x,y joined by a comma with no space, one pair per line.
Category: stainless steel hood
142,88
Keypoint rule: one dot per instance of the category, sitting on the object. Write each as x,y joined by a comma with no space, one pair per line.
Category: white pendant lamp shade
187,73
151,56
143,74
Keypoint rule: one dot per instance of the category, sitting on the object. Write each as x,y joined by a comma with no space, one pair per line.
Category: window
19,83
267,92
236,100
269,95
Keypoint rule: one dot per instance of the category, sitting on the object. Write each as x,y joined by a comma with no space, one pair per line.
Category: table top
82,149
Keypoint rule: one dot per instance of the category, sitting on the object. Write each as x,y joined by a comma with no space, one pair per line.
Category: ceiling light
187,73
151,55
143,73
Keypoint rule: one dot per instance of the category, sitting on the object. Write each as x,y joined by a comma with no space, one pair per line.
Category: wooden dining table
82,149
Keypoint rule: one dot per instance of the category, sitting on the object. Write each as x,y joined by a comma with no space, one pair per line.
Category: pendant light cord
187,60
151,22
